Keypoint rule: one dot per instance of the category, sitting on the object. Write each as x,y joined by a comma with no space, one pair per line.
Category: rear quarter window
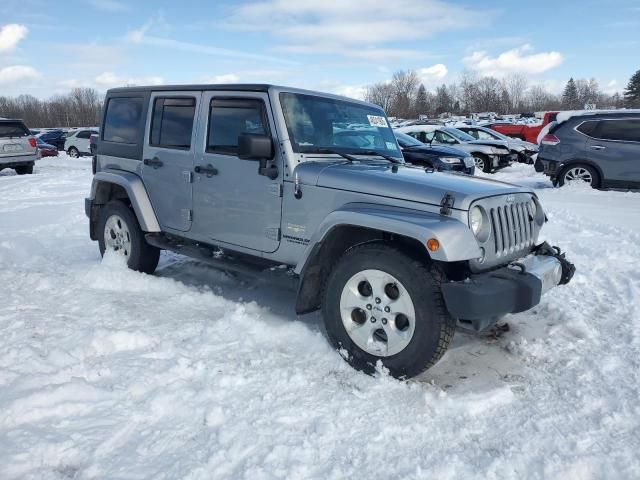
13,129
122,120
588,128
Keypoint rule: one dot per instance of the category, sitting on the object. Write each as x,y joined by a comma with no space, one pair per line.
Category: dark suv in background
599,148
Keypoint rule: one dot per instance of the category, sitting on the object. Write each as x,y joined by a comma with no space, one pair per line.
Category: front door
168,156
233,204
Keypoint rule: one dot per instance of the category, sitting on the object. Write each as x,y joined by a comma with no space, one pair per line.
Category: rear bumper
18,160
548,167
484,298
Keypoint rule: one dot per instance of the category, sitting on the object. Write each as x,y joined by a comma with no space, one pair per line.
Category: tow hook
568,268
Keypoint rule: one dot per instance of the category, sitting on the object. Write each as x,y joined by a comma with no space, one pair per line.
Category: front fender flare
136,192
457,242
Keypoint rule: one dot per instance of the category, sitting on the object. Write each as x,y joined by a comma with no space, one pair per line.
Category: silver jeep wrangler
247,177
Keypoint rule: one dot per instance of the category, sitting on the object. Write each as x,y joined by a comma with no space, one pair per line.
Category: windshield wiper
383,155
335,152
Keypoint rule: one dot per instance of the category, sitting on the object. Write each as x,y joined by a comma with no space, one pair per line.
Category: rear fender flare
136,192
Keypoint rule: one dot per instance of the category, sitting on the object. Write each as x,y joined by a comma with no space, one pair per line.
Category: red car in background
528,133
45,149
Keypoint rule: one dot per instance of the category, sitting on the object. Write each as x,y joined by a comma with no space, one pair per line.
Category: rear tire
73,152
403,321
579,172
24,169
118,230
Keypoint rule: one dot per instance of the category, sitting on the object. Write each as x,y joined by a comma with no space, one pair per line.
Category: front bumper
484,298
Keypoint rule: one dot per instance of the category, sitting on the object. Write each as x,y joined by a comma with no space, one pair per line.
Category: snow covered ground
190,373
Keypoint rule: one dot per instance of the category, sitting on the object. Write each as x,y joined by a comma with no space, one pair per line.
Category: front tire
380,304
73,152
483,163
120,232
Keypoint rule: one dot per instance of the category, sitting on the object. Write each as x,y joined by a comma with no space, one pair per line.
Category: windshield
494,134
318,123
459,134
407,141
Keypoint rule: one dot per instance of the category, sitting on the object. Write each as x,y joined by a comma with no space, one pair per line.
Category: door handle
209,170
154,162
598,147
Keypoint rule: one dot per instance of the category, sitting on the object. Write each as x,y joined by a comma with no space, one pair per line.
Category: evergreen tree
632,92
570,100
422,101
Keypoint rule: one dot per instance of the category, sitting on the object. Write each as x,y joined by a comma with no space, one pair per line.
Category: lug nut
368,306
387,309
373,319
384,321
377,300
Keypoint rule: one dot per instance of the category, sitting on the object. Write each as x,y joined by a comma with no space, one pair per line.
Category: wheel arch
581,161
360,224
126,186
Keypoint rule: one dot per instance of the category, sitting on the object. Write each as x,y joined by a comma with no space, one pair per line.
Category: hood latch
446,204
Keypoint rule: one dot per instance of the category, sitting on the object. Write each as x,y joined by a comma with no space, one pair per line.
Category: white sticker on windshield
391,146
377,121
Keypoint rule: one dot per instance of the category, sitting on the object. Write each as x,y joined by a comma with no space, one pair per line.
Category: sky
341,46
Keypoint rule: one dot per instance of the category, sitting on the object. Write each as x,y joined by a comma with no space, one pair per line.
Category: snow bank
190,373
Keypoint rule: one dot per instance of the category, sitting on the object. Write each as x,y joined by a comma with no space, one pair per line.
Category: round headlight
477,218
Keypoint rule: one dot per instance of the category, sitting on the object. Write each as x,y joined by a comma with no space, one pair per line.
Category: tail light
550,139
32,142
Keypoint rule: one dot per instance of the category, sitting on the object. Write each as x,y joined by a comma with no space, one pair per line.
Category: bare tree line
405,96
81,107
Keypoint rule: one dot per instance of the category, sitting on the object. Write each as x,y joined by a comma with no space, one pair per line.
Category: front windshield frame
384,140
458,134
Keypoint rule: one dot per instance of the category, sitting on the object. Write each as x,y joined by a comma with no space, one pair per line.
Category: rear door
82,141
168,156
615,147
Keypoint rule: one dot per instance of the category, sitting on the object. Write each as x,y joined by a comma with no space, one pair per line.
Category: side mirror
252,146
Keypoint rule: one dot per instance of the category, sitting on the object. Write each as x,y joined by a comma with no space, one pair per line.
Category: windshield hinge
447,203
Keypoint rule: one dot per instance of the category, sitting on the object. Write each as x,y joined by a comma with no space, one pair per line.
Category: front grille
513,228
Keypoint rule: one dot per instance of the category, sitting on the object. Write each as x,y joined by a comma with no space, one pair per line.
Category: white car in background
77,142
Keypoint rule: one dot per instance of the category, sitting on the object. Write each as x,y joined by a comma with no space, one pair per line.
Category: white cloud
517,60
17,73
10,35
110,5
355,28
224,78
110,80
139,36
351,91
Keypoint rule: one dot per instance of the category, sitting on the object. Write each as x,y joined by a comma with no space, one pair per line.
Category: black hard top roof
243,87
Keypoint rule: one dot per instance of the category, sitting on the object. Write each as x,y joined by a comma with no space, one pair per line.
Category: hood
401,182
440,150
489,143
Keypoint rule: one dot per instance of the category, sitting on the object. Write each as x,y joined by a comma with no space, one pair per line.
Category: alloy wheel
377,312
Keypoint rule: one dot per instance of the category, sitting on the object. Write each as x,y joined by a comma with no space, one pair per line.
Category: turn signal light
433,244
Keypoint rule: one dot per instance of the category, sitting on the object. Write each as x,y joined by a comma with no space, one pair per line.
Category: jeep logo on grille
511,198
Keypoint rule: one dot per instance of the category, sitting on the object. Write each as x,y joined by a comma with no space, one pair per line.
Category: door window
229,118
621,130
84,134
442,137
172,122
